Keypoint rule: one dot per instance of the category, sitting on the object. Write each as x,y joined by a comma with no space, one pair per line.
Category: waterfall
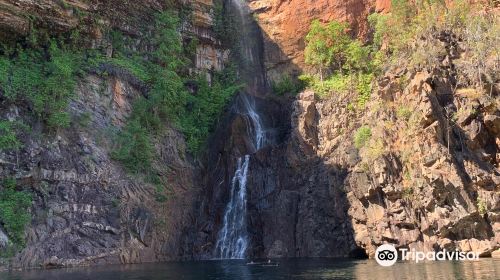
254,123
249,49
233,239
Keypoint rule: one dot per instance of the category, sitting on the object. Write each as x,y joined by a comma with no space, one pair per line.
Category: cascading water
233,237
233,240
254,124
249,50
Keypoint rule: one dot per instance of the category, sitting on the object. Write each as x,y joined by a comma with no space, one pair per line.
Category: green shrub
481,206
14,211
363,88
44,73
410,36
375,150
286,85
362,136
334,84
45,79
326,45
205,108
345,61
404,113
136,65
133,148
225,27
168,100
8,138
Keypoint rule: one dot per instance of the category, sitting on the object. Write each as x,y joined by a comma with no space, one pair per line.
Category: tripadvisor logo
387,255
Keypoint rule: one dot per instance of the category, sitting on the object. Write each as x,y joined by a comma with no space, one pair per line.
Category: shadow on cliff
297,205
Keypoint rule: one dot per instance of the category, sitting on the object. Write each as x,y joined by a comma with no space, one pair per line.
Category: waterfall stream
233,241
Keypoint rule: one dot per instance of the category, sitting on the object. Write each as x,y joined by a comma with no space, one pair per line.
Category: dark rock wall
86,209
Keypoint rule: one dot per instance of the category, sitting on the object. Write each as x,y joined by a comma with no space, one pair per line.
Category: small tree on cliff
326,45
330,48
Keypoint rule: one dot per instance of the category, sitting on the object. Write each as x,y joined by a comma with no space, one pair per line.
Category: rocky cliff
421,182
427,177
286,23
86,208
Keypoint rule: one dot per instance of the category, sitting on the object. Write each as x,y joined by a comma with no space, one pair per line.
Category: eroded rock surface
86,209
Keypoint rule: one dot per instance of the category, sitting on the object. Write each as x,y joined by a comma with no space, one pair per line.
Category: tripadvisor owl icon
386,255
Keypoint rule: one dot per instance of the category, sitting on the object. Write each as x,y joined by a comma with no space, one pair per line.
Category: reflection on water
298,269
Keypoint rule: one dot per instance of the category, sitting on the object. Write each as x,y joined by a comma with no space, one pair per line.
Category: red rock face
285,24
383,5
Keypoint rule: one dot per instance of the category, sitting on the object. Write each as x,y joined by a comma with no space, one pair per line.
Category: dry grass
469,93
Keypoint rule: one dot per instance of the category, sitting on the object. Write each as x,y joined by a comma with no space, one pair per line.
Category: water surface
292,269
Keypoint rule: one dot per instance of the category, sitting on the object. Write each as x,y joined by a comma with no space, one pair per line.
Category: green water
291,269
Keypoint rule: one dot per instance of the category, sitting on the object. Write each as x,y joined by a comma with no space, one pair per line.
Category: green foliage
379,23
363,88
133,145
59,84
167,41
205,108
357,58
326,45
224,25
8,138
482,208
335,83
480,66
43,73
362,136
329,47
358,82
133,148
136,65
347,62
193,114
14,211
43,78
376,149
404,113
410,36
286,85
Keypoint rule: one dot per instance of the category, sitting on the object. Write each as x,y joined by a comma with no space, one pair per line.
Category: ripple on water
296,269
